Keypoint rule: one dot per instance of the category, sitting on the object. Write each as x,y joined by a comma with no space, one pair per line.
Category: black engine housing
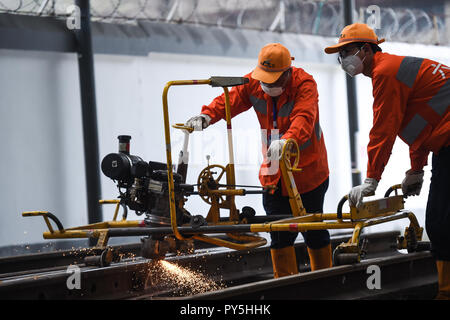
143,186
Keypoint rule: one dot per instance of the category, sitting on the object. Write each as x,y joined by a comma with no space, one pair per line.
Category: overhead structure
413,21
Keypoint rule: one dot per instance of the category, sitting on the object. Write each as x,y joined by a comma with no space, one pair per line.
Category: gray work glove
275,149
355,197
412,184
198,123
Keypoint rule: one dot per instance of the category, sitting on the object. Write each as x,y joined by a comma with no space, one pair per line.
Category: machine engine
143,186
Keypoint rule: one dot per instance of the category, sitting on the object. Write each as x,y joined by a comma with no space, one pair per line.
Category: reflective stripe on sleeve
305,145
286,109
441,100
413,129
259,104
408,70
318,133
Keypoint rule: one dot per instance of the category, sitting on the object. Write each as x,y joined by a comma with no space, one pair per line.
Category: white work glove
198,123
412,184
275,149
355,197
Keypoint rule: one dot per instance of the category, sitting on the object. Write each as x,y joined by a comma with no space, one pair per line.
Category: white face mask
272,91
353,65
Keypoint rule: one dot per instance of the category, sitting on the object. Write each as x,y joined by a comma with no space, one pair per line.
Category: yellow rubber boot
443,268
320,258
284,262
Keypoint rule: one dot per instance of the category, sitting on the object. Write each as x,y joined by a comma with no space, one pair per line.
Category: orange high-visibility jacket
411,100
297,117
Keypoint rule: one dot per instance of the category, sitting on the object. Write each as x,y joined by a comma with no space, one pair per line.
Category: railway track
404,277
229,275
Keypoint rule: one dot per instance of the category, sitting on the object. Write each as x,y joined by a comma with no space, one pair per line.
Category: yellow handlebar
182,127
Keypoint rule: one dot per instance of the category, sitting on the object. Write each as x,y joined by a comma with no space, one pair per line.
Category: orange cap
356,32
273,60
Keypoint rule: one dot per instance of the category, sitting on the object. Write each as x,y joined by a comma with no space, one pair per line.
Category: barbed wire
415,25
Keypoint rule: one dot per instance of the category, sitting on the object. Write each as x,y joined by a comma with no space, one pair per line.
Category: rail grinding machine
155,190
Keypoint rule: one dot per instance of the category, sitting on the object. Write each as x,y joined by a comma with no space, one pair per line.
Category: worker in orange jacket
285,100
412,101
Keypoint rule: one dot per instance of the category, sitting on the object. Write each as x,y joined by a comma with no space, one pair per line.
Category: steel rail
128,279
409,276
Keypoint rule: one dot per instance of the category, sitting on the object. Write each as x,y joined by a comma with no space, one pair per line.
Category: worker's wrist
414,171
371,181
206,117
416,167
373,175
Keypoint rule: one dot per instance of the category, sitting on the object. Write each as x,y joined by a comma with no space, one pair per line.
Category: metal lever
393,188
340,205
46,215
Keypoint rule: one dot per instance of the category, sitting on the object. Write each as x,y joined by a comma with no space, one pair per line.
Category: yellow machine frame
374,212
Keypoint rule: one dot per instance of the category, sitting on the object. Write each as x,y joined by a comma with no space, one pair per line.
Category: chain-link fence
408,21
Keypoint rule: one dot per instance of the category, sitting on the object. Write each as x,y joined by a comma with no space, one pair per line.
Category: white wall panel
42,165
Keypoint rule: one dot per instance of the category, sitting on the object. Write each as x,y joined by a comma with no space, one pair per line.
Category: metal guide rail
129,279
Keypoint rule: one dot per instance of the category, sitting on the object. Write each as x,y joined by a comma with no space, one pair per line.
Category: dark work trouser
277,204
437,219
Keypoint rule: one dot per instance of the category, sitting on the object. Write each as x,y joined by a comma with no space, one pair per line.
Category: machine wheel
345,258
247,213
197,221
209,179
342,258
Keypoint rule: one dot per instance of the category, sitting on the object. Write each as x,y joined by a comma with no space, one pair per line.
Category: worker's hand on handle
275,149
198,123
412,184
355,197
